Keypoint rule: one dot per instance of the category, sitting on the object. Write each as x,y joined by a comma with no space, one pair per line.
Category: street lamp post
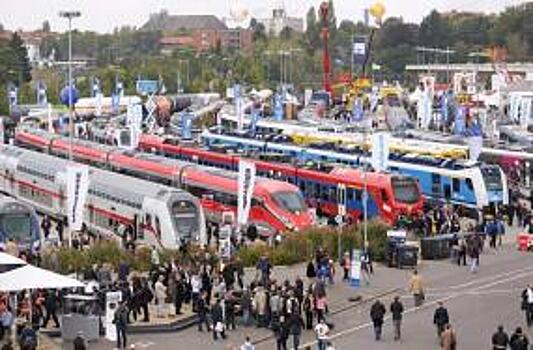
70,15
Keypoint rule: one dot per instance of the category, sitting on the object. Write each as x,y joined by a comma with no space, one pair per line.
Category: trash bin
435,248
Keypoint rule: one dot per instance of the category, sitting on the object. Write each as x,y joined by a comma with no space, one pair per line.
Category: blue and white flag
42,99
357,110
278,107
12,95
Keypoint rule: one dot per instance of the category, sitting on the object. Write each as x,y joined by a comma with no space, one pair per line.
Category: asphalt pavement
477,303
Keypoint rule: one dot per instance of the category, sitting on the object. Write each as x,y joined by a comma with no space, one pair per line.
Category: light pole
70,15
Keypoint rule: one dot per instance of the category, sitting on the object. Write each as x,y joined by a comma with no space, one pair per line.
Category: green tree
435,31
312,31
20,64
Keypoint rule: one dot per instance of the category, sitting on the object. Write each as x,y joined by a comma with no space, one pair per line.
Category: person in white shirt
247,345
322,334
160,296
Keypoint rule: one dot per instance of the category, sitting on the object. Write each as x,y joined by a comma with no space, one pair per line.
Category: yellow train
357,140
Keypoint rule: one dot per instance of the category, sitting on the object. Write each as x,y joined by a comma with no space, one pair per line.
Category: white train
19,223
156,214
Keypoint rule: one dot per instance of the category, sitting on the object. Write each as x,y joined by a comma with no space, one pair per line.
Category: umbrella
31,277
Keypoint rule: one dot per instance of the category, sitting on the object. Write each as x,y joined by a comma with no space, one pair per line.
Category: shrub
300,247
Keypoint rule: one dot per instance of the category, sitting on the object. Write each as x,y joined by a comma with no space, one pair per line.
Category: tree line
296,58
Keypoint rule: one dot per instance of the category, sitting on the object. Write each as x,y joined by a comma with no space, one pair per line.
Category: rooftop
174,23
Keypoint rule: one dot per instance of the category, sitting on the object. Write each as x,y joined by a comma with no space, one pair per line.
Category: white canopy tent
8,259
31,277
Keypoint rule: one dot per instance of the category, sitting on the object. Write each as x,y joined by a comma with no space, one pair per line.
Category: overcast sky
104,15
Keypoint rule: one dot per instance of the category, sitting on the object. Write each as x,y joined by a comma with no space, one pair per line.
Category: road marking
428,304
144,345
482,279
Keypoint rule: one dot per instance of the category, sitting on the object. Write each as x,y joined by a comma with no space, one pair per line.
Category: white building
279,21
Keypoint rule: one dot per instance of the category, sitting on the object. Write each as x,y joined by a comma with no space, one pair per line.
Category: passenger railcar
155,214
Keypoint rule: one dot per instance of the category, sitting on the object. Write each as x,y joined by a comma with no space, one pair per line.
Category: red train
328,189
277,206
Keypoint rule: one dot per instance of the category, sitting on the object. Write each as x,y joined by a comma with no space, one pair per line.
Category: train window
384,196
456,184
317,189
302,186
358,195
469,184
349,195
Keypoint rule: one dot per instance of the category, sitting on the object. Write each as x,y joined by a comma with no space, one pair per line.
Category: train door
435,184
341,200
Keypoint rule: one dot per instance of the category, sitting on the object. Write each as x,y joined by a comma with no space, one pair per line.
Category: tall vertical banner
525,112
42,99
238,106
380,151
2,132
245,190
359,49
77,187
111,304
254,119
459,124
357,110
355,268
186,125
474,138
278,107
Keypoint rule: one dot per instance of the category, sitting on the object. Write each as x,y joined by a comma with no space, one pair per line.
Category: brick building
200,32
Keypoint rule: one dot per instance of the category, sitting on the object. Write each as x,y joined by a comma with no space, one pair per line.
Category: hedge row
293,249
300,247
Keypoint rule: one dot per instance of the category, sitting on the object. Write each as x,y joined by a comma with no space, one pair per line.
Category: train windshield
291,201
492,178
185,216
405,190
16,227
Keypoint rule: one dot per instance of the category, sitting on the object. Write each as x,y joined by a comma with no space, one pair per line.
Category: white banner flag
112,300
246,189
77,187
475,144
380,151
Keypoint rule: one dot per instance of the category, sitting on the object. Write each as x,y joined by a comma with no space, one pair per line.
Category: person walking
519,340
308,311
295,325
377,314
527,304
448,338
280,333
500,339
120,320
396,308
416,287
247,344
160,296
51,306
346,263
322,335
79,342
218,321
201,310
440,318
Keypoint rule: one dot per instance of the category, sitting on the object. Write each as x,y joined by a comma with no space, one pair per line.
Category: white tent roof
31,277
8,259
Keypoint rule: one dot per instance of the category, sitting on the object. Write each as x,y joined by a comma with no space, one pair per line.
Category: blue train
473,185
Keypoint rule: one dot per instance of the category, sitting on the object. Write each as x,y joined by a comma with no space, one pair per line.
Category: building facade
279,21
